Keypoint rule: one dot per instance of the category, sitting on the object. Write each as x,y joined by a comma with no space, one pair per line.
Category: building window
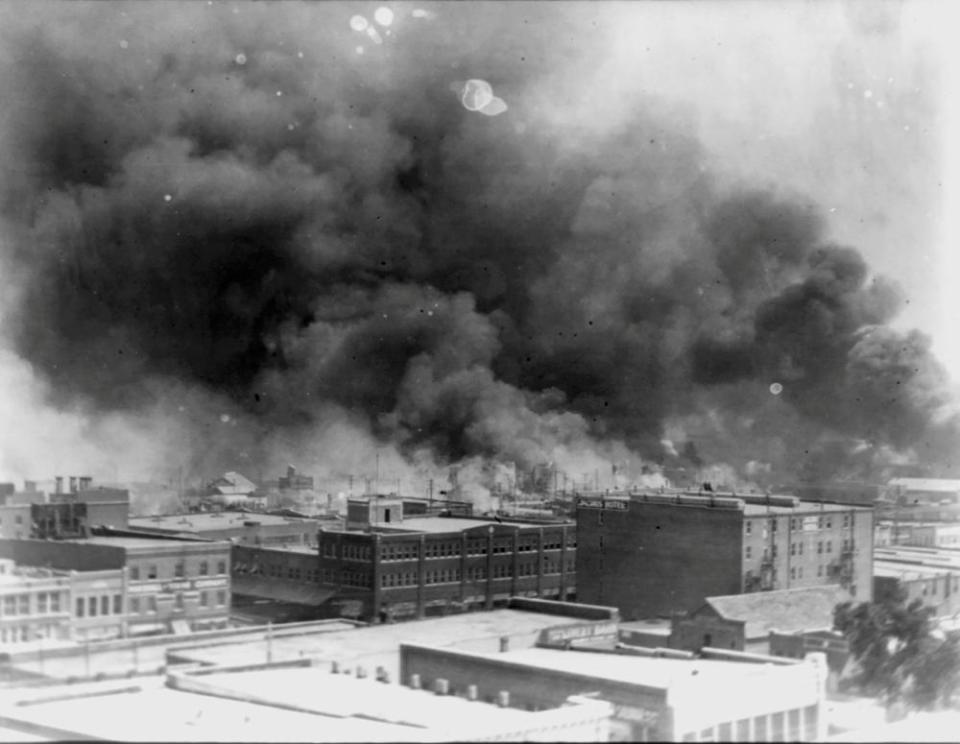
19,519
134,573
773,525
152,571
24,601
152,604
221,598
105,605
819,570
204,568
42,603
117,604
222,567
204,599
749,552
793,548
829,546
820,547
178,569
178,602
92,607
55,602
749,526
134,605
81,607
10,605
793,573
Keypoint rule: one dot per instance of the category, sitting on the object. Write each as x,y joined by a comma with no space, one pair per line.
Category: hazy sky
844,101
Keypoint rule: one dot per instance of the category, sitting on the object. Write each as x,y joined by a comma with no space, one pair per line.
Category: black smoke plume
229,208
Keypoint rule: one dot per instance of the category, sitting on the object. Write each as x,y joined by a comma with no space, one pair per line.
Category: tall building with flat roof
654,554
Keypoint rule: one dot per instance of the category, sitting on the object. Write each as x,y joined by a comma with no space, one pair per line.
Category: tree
900,653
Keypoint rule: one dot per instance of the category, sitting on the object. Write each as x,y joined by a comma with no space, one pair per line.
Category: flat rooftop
378,645
214,521
292,704
122,541
942,558
804,507
456,524
645,671
906,571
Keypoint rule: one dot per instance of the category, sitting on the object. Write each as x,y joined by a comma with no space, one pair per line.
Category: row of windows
278,571
19,604
796,523
25,633
148,605
150,571
799,724
92,606
473,573
357,579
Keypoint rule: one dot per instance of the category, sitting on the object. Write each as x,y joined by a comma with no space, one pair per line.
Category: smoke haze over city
237,235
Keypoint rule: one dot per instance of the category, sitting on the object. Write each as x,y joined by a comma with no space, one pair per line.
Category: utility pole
430,491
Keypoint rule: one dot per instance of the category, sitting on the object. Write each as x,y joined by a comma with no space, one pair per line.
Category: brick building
167,585
659,553
390,561
69,511
240,528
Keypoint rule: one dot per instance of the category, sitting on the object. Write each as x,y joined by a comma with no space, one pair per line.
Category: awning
281,591
180,627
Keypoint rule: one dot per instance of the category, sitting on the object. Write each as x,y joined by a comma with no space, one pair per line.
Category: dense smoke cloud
231,220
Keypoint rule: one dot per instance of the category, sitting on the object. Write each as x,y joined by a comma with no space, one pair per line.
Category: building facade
158,585
387,566
656,554
34,605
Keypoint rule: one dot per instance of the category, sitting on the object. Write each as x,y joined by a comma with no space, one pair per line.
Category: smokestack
73,484
85,481
58,488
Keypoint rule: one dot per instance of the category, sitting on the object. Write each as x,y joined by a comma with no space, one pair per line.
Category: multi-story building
167,585
927,574
238,527
386,565
723,697
653,554
34,605
67,512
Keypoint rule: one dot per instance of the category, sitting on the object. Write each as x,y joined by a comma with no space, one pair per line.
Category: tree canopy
900,652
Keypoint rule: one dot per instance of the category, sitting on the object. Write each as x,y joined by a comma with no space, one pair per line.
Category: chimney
415,681
441,686
335,668
503,699
59,486
472,692
85,482
361,672
73,484
504,644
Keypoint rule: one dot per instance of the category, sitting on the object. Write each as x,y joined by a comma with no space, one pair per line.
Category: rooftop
805,507
638,670
942,485
213,521
942,558
905,571
293,704
455,524
133,543
377,645
786,610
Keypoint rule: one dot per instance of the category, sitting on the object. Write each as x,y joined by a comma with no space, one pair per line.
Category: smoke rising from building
228,222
